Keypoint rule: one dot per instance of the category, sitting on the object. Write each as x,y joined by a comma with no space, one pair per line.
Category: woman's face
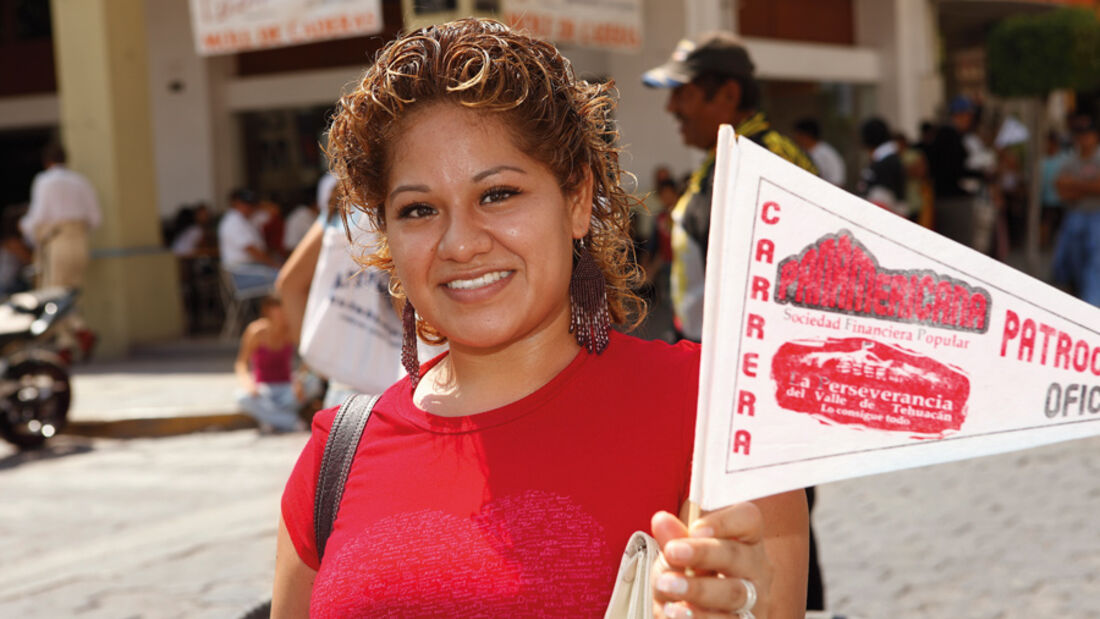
481,234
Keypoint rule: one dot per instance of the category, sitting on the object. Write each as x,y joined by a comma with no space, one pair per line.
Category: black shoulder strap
340,448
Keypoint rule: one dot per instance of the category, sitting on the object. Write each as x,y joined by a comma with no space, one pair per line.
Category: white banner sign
226,26
604,24
840,340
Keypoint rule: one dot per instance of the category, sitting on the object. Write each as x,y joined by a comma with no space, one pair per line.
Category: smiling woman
480,234
505,477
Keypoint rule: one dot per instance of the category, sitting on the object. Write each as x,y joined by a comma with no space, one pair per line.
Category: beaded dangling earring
588,317
409,358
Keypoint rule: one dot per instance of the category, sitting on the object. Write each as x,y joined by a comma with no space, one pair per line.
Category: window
811,21
26,34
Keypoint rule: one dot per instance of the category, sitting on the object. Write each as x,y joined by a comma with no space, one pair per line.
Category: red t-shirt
519,511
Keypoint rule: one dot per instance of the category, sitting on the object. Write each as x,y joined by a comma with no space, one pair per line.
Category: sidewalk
158,390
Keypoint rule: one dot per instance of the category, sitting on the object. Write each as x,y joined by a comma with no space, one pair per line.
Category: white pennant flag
841,340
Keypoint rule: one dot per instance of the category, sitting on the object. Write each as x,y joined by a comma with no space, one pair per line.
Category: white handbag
350,331
632,597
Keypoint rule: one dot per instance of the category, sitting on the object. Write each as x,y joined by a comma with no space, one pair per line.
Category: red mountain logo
838,274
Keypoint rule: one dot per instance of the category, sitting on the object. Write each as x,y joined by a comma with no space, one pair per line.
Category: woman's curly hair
482,64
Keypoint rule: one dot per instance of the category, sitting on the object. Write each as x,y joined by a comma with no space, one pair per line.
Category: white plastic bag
350,331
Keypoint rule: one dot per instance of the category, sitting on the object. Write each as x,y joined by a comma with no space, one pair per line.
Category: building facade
156,126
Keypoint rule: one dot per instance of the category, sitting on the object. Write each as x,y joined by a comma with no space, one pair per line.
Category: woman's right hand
716,568
765,542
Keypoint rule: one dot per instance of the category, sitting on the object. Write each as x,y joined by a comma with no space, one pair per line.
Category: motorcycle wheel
259,611
35,402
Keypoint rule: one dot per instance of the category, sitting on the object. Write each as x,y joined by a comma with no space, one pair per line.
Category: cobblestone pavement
158,528
1009,536
184,527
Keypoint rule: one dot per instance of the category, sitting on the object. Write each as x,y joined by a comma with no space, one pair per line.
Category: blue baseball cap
960,105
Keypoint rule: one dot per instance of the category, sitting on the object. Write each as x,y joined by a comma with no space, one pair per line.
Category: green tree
1033,55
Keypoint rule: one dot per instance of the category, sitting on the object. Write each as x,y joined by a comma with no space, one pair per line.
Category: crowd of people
958,178
248,244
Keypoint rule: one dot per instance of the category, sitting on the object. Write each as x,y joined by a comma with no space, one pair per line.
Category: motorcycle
34,378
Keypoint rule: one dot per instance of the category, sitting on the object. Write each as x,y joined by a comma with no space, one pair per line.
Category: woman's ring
745,612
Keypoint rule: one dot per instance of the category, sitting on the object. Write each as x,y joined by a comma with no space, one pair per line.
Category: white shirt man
63,210
59,194
829,163
236,234
241,245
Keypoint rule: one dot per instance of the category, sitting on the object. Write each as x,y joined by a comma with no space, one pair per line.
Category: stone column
132,291
904,33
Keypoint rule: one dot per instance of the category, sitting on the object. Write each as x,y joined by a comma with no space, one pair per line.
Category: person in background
15,257
1076,260
243,252
644,214
807,134
326,189
269,220
918,186
322,267
883,180
955,180
296,278
1009,190
196,250
711,81
186,233
926,135
193,236
296,275
658,250
655,258
506,475
63,212
298,224
978,142
265,371
1055,156
643,229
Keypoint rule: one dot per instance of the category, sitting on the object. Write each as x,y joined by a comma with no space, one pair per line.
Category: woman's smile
481,281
